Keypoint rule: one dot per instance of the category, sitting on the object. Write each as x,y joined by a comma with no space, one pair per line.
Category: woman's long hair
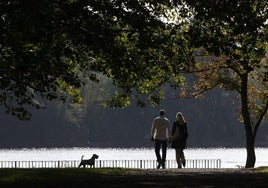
180,117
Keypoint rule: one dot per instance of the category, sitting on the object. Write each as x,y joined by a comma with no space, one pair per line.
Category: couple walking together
161,135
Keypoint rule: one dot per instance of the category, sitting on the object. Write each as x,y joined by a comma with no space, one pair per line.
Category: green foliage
37,56
230,39
49,47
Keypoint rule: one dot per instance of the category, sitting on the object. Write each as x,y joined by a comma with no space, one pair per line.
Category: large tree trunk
250,138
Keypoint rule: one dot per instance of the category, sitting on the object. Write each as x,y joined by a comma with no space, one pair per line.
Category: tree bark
250,138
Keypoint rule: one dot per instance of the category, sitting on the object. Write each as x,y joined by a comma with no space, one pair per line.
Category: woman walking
179,136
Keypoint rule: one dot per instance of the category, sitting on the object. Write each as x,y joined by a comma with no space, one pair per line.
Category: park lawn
47,177
263,169
122,177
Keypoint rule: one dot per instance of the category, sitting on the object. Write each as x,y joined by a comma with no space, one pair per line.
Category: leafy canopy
49,47
229,39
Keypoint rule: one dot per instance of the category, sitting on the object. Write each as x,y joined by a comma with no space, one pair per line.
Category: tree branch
205,90
24,83
260,118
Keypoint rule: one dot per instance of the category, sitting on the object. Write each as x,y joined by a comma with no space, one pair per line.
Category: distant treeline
212,122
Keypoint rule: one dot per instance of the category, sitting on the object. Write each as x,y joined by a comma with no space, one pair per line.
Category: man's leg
164,153
157,152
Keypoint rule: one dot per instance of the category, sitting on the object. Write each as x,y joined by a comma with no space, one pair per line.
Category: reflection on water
230,157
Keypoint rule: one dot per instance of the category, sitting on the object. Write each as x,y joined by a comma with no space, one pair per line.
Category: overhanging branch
205,90
260,118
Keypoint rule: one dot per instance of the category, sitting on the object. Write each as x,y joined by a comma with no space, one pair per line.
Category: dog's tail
82,157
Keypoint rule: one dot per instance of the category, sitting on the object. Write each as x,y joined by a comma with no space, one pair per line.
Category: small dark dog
90,162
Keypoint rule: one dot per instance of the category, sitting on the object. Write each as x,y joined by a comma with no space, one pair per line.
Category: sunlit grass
263,169
45,177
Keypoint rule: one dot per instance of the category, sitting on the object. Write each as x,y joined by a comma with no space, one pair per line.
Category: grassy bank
263,169
119,177
45,177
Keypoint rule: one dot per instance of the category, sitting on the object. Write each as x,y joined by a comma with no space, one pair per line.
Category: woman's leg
180,158
183,161
177,150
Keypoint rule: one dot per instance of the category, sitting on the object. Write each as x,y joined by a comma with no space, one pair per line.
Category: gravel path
190,178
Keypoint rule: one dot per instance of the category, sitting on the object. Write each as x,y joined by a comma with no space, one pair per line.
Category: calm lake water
230,157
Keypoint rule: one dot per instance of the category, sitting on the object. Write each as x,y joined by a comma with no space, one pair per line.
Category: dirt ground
186,178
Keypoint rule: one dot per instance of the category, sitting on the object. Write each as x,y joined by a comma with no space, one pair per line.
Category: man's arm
168,131
152,131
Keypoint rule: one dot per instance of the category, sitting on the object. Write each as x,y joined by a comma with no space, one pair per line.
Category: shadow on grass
121,177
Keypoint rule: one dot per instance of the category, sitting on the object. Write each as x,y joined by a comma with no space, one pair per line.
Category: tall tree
48,47
229,40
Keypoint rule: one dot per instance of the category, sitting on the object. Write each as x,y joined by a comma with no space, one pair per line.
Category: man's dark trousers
158,145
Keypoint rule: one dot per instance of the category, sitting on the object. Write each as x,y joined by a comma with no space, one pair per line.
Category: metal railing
140,164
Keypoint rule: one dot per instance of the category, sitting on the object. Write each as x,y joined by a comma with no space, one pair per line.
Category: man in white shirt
160,133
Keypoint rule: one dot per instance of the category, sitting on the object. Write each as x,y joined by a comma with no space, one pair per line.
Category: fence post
218,163
142,164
